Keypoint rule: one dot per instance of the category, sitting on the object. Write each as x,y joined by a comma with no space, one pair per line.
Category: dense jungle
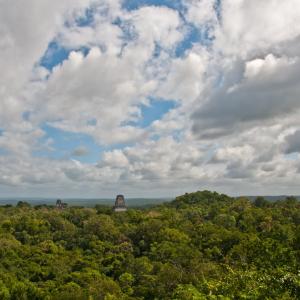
202,245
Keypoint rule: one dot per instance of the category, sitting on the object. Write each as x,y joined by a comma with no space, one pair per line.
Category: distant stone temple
60,204
120,204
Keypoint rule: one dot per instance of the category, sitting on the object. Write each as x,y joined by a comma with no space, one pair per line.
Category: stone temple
60,204
120,204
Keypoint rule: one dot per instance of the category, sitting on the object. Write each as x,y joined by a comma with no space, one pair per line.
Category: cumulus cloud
185,80
267,90
24,38
97,87
255,27
161,160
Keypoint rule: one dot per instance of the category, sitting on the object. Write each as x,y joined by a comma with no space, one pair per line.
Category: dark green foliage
200,246
261,202
23,204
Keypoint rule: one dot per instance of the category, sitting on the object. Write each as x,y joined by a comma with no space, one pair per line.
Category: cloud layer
83,78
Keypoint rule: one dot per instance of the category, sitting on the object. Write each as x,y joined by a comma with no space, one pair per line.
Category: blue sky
135,4
64,143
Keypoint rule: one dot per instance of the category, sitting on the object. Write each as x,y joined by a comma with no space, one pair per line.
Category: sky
149,98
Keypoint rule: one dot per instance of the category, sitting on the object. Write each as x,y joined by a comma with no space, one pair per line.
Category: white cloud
24,38
100,87
256,27
267,66
185,80
157,24
160,160
201,12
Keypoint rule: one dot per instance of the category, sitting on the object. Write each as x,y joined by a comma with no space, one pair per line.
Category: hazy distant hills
91,202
